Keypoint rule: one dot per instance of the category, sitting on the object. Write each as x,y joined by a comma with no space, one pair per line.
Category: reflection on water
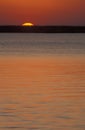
42,81
45,93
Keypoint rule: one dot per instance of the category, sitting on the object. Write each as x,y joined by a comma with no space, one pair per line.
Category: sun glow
27,24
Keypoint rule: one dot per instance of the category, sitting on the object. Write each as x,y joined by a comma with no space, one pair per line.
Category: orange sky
42,12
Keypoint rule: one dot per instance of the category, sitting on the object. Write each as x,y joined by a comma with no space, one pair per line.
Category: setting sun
27,24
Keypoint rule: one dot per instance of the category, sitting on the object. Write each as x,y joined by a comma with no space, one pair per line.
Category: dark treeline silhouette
42,29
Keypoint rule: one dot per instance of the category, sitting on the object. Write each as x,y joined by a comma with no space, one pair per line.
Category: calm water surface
42,81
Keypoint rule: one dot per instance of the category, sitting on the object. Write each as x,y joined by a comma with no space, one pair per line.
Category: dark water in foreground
42,81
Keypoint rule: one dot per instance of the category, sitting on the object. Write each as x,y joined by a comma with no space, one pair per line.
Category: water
42,81
33,44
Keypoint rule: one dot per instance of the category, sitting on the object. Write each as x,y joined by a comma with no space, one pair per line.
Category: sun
28,24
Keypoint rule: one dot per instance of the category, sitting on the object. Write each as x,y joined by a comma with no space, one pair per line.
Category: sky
42,12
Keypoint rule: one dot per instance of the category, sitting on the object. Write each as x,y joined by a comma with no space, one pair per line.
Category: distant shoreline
41,29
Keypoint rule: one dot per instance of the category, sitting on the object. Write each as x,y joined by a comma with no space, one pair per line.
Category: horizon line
43,25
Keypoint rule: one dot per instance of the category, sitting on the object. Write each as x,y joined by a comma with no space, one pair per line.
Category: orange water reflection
42,93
